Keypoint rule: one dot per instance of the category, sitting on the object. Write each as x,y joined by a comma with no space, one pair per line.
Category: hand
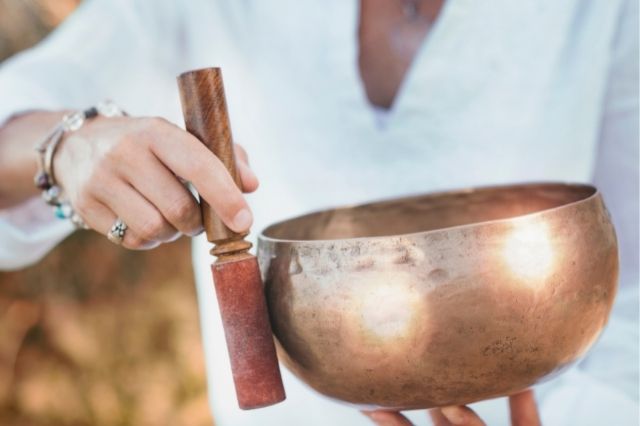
522,405
132,168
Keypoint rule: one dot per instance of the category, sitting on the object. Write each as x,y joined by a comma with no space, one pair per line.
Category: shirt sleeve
603,389
124,50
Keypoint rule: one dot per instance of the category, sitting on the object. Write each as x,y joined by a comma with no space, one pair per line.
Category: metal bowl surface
441,299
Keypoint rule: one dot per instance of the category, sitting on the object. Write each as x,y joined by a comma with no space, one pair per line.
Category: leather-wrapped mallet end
250,343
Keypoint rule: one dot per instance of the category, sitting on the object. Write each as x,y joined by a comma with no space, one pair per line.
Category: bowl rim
262,238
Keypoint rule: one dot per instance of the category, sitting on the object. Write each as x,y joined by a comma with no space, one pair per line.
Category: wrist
18,138
45,178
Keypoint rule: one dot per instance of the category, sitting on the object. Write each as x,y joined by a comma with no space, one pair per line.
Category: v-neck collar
420,61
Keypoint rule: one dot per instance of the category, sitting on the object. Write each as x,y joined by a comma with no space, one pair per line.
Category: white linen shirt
499,92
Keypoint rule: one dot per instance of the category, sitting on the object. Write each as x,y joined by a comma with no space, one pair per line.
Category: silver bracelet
45,178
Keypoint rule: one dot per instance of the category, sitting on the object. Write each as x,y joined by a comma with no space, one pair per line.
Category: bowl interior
426,213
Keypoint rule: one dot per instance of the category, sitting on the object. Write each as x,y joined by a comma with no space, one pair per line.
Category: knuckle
116,153
128,143
150,125
152,228
135,242
182,210
153,122
148,129
105,158
122,156
130,146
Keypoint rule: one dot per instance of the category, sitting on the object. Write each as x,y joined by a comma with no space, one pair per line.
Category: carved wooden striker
236,276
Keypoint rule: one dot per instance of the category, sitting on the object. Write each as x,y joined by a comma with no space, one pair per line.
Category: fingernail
454,414
242,220
197,232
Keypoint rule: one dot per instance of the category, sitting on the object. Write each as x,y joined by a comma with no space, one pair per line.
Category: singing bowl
441,299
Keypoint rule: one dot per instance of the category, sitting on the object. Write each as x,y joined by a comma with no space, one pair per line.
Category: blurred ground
94,334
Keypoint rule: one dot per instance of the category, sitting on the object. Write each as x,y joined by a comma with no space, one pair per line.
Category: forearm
18,165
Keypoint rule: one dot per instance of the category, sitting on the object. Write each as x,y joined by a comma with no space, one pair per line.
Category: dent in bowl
441,299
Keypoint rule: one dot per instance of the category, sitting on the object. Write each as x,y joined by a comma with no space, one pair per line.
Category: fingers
437,418
461,416
131,168
524,411
387,418
248,178
141,217
523,407
187,157
101,218
163,189
241,154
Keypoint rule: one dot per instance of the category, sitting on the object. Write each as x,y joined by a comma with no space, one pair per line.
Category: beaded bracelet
45,177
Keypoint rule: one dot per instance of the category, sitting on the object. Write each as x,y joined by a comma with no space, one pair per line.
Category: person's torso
500,92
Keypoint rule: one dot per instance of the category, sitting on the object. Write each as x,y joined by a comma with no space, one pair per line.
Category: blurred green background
94,334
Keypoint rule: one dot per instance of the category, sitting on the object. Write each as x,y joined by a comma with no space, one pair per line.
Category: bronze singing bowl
444,298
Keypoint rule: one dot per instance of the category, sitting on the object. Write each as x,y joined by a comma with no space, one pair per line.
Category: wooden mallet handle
236,275
206,117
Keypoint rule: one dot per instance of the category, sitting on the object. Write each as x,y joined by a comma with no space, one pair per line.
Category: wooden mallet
236,276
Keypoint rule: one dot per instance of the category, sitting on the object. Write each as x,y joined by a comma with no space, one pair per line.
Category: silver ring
117,231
